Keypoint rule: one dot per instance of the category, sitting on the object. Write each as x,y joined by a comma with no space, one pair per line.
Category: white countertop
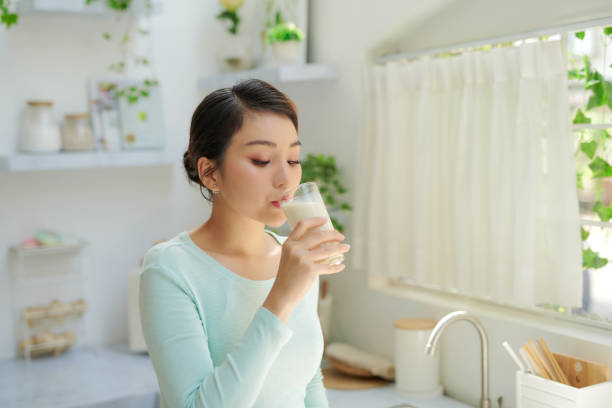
117,378
385,397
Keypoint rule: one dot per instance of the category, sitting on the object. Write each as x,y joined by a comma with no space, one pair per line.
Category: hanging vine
592,142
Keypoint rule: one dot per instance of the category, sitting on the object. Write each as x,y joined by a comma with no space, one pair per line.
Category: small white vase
235,53
287,52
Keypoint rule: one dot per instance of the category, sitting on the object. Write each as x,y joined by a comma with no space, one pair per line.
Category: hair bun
190,168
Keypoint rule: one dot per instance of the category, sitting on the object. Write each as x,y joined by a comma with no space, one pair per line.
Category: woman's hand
300,264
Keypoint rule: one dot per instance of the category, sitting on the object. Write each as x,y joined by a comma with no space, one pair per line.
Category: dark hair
221,114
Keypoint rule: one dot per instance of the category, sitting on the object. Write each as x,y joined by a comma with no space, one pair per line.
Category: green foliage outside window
592,142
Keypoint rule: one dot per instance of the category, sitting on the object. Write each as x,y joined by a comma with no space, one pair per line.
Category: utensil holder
537,392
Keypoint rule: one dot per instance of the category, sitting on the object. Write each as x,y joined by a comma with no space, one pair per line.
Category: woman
229,309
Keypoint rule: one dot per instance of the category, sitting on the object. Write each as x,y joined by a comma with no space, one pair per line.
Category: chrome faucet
432,343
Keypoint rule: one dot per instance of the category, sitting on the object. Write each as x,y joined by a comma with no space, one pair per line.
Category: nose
281,177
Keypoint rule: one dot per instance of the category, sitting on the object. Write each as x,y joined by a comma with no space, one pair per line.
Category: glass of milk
306,202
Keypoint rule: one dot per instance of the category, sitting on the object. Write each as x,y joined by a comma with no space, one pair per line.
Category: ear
210,181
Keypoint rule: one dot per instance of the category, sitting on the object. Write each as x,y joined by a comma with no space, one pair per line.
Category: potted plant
285,39
233,52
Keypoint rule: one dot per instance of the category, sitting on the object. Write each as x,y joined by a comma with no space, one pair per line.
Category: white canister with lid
39,131
417,375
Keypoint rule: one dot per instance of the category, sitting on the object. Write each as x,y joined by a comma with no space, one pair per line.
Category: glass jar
77,134
39,131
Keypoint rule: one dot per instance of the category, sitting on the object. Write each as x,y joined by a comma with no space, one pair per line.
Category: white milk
301,210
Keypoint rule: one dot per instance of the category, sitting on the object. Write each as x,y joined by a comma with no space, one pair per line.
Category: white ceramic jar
417,375
39,131
287,52
77,134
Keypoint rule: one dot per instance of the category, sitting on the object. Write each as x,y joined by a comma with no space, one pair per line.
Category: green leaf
142,116
282,32
579,181
592,83
580,35
589,148
346,207
595,101
8,18
107,36
584,233
336,224
605,213
330,200
574,74
581,118
608,30
600,168
592,260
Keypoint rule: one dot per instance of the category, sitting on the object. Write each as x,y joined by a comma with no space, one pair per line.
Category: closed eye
263,163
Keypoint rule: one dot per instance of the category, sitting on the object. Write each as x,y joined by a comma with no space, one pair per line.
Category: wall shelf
279,74
96,8
76,160
49,249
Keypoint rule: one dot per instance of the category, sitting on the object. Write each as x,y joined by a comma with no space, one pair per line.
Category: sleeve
315,392
178,347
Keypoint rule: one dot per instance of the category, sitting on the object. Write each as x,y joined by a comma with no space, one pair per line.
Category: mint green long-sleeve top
214,345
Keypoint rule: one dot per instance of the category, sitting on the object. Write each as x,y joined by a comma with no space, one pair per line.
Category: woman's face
260,165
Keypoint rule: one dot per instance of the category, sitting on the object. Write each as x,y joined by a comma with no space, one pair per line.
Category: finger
305,225
329,269
326,250
312,239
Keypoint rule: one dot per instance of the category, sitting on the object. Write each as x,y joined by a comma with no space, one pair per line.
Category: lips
277,203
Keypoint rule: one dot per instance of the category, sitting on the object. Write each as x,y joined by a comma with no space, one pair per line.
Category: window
487,115
590,102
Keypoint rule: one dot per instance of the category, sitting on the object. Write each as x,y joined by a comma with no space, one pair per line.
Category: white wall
363,317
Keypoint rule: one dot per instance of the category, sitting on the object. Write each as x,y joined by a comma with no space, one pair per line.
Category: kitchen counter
113,377
385,397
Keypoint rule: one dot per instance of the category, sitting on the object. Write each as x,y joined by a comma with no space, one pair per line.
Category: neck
235,235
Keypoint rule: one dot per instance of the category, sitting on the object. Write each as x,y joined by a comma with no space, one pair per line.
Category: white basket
537,392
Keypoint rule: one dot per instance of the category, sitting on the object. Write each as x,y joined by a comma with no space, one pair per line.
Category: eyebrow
271,144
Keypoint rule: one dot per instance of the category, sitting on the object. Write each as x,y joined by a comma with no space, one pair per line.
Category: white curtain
468,180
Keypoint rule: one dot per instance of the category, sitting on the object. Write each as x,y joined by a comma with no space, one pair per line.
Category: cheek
299,174
247,178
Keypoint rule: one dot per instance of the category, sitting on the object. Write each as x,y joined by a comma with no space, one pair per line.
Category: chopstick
540,369
553,361
545,363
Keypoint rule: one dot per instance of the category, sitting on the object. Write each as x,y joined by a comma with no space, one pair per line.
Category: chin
277,223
